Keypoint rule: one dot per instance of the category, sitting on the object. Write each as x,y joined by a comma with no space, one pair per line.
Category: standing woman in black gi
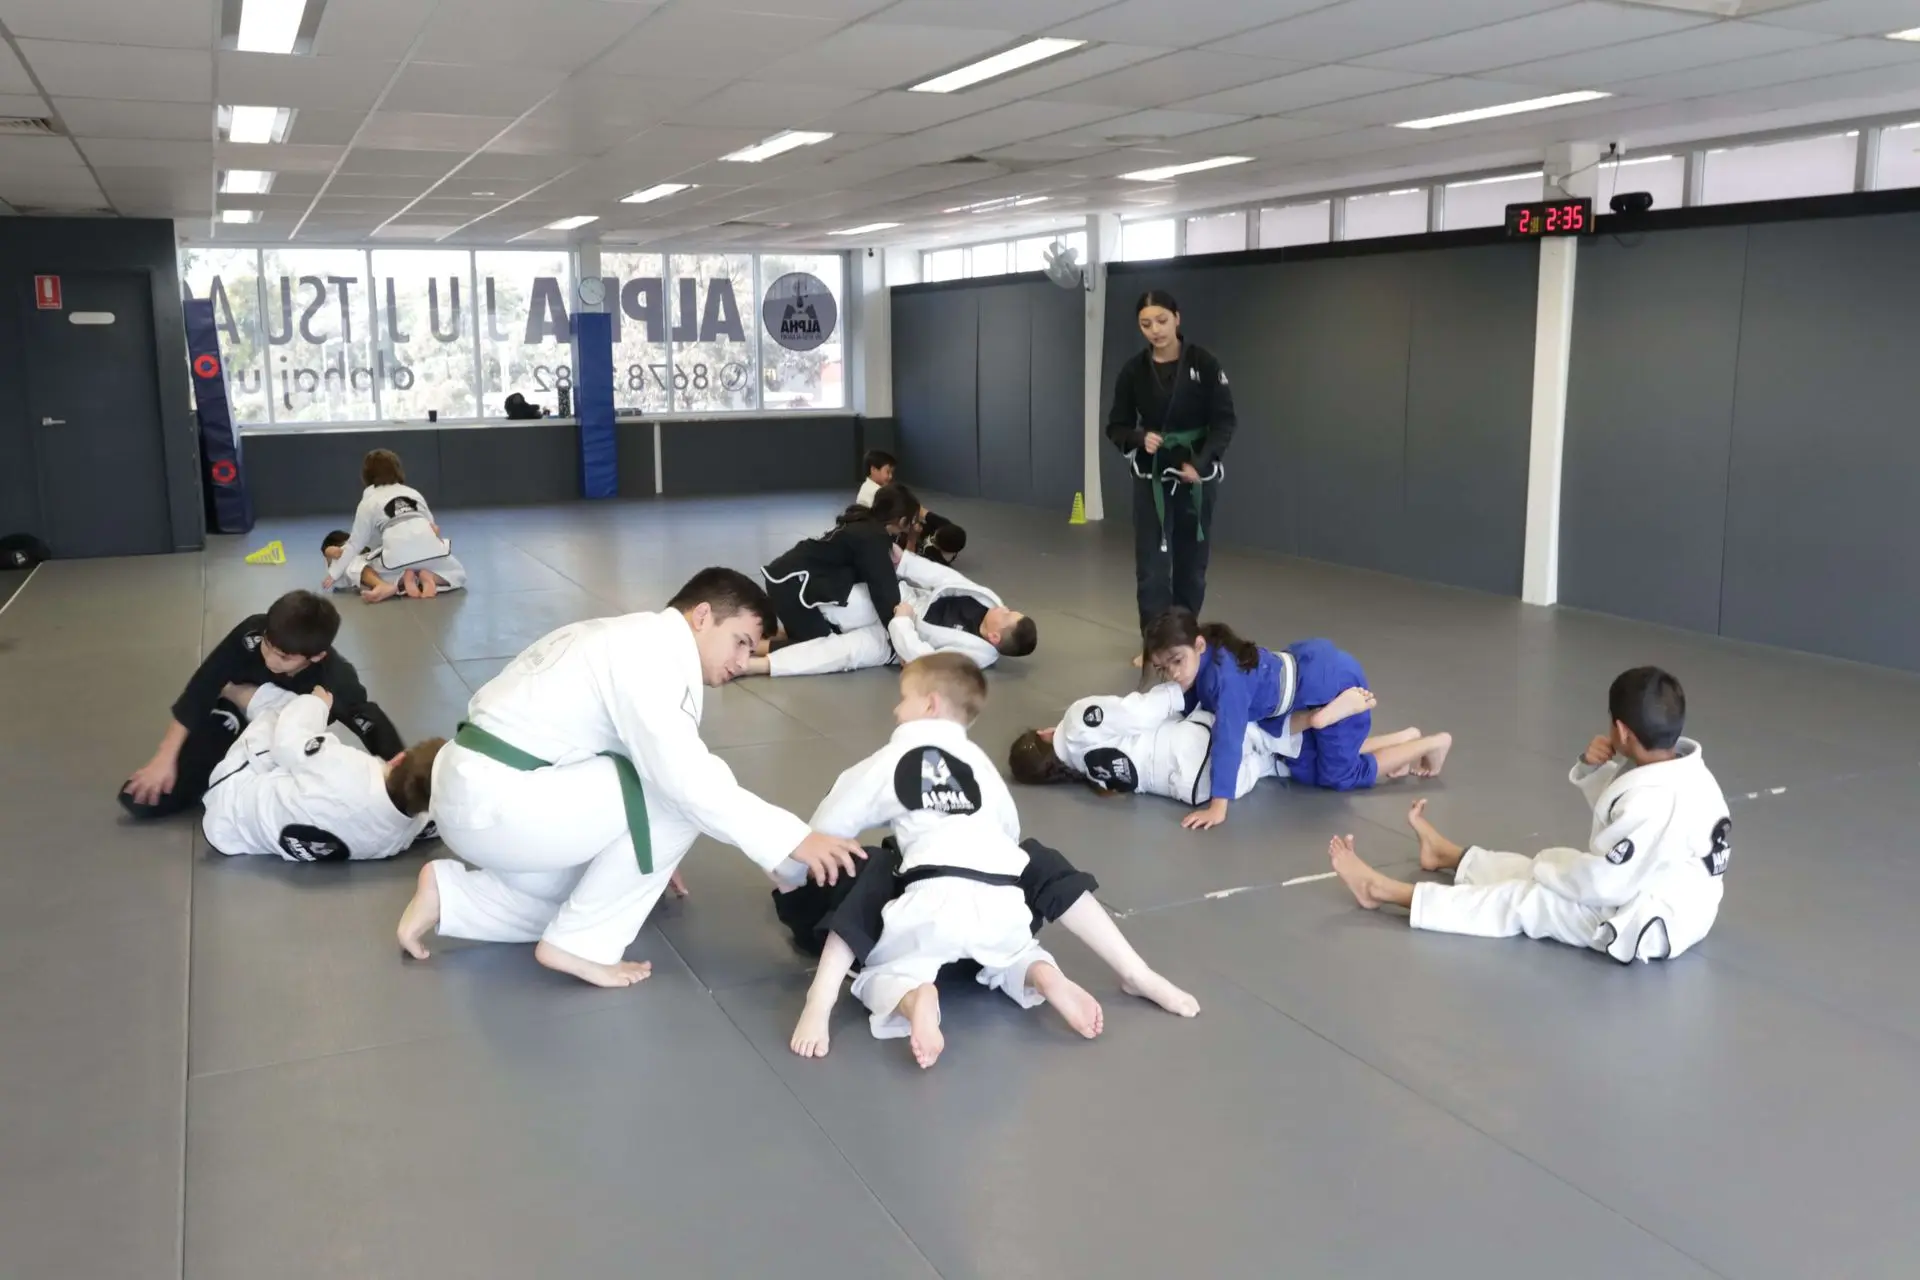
1173,419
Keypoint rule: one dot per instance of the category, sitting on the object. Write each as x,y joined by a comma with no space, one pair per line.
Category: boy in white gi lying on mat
287,787
940,611
1648,884
960,867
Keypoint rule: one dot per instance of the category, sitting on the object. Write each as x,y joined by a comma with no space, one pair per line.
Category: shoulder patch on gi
1112,770
1093,717
301,843
428,832
1620,853
1193,371
252,641
228,719
1722,851
315,744
1223,377
929,779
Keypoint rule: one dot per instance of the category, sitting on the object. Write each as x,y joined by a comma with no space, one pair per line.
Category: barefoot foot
1149,985
422,913
810,1035
1073,1002
1351,702
429,586
1355,874
1435,760
623,974
922,1007
1437,853
374,595
410,584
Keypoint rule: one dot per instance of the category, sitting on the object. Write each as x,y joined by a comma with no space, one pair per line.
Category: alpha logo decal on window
1620,853
301,843
1111,770
930,780
1093,717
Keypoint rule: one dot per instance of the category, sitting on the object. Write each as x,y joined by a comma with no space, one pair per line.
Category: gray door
93,399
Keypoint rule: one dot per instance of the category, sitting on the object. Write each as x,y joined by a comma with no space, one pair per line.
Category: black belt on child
958,873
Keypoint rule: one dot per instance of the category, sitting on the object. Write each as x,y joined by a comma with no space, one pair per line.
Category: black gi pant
1177,575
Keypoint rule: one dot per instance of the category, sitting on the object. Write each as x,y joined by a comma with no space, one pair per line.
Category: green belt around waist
1182,440
632,796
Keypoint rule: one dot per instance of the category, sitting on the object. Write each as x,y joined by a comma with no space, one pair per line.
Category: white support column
870,328
1866,158
1694,191
1103,246
1571,170
1437,207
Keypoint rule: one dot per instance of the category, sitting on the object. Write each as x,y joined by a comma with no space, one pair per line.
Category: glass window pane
1031,254
1294,224
1781,170
318,323
987,259
1220,233
716,340
943,264
526,334
1391,213
1484,203
1662,177
803,321
1899,158
231,277
1141,241
1077,241
426,333
637,298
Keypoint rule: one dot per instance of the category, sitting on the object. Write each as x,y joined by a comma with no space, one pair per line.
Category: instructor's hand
1188,474
825,857
1152,443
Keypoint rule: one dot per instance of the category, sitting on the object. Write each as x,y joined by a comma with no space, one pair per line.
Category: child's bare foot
410,584
623,974
429,586
1073,1001
421,915
375,594
1362,879
677,884
1351,702
1437,853
922,1007
810,1036
1149,985
1430,764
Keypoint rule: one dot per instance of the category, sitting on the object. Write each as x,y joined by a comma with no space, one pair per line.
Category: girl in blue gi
1241,683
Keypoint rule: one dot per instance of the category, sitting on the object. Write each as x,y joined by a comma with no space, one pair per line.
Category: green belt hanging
1180,439
632,795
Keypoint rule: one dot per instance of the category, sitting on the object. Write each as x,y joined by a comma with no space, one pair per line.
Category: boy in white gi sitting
940,611
961,859
287,787
1649,882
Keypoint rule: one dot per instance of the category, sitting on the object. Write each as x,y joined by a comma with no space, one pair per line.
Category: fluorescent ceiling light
1628,164
245,182
1007,202
863,230
999,64
1505,109
658,191
239,215
270,26
257,124
1505,177
776,145
573,223
1175,170
1911,33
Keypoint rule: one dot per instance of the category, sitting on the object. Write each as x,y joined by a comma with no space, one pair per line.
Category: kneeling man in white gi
579,781
1647,886
961,860
287,787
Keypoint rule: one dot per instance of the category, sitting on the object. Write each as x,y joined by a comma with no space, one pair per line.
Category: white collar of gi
688,657
919,732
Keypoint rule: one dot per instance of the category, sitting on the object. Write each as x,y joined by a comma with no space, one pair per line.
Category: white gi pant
936,922
861,641
552,857
1494,895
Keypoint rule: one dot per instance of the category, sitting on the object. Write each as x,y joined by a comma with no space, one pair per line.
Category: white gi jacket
288,787
946,803
632,686
923,583
1142,743
1660,844
395,528
868,488
344,574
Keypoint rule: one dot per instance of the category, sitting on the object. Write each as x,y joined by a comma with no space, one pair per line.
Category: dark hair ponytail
1031,760
1178,628
892,503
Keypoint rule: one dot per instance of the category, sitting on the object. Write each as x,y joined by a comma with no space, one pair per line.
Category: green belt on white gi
632,795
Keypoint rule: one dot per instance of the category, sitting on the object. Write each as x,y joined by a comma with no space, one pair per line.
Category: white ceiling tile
1179,26
1834,58
1848,17
426,131
175,24
416,163
480,91
1147,125
754,104
35,154
1255,137
377,184
188,185
325,128
873,55
1178,77
1015,122
298,184
1306,88
283,157
510,168
1027,17
69,70
101,118
836,11
13,76
1573,29
563,34
22,104
704,42
270,80
1680,51
145,153
1075,68
370,28
1436,97
895,111
1339,32
1900,82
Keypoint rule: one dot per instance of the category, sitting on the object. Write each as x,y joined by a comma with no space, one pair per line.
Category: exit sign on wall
46,292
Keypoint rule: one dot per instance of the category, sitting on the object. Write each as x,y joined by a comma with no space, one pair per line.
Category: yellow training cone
274,553
1079,515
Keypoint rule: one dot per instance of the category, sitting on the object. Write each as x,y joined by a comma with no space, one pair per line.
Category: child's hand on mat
1211,816
1599,751
152,780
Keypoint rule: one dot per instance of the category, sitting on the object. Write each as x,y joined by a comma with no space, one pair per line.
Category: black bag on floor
22,551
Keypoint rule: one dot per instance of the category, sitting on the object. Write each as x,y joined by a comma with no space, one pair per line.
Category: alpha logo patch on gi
1722,851
402,505
228,719
314,745
251,642
1111,770
1093,717
1223,377
930,780
300,843
1620,853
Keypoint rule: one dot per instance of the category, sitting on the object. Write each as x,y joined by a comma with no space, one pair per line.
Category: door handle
53,422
